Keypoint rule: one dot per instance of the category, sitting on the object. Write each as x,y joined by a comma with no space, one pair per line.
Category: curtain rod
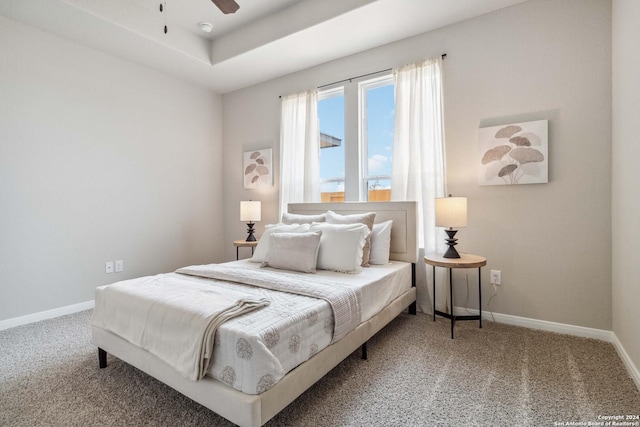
363,75
359,77
354,78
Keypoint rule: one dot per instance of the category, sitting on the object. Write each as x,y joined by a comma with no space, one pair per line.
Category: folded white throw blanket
171,316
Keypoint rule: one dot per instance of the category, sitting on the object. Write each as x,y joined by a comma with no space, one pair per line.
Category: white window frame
363,86
355,139
326,94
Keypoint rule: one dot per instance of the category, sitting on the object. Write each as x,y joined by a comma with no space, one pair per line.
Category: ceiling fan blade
226,6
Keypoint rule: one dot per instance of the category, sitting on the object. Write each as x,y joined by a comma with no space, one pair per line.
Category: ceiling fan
226,6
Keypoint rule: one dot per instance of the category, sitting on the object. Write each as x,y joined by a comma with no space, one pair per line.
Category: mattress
254,351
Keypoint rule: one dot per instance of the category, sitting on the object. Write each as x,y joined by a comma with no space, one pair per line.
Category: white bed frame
248,410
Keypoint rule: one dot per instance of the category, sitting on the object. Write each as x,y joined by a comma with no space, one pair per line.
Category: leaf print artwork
520,141
514,154
508,131
258,168
526,155
496,153
507,170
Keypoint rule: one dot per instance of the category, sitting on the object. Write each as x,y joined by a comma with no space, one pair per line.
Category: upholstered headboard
404,237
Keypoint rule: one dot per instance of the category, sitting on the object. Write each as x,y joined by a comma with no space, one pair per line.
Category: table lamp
451,213
250,212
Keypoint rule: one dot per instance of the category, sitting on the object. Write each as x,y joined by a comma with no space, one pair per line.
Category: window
377,116
356,140
332,153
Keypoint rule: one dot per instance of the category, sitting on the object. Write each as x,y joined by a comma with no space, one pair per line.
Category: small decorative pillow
293,251
380,243
260,252
366,219
289,218
341,246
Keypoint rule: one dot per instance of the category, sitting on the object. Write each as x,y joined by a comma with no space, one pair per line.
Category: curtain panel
418,168
299,149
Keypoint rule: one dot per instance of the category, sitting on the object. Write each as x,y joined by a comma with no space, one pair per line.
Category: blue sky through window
380,121
331,116
380,113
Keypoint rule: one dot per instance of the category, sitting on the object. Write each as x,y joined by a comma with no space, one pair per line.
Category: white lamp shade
250,211
451,212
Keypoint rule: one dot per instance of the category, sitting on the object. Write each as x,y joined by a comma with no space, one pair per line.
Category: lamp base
250,230
451,241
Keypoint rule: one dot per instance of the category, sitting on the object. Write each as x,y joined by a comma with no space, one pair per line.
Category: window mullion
362,142
352,171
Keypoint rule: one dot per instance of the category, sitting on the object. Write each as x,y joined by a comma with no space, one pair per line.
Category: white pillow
293,251
341,246
260,253
380,243
289,218
363,218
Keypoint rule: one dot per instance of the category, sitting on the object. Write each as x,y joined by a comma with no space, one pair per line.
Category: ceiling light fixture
205,27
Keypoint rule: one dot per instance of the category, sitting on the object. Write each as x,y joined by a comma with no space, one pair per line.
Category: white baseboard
561,328
633,370
44,315
543,325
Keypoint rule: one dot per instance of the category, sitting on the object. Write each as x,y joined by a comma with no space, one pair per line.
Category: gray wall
100,160
548,59
626,176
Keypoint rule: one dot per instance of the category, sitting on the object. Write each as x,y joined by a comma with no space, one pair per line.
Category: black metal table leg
453,317
434,293
480,295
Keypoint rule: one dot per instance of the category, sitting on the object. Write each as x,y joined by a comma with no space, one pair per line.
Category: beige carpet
415,376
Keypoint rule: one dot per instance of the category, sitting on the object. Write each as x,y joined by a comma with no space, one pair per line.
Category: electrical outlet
119,266
496,277
108,267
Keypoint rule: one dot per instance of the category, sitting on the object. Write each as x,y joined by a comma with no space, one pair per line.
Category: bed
240,401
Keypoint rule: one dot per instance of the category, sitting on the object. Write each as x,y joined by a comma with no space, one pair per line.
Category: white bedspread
344,300
173,317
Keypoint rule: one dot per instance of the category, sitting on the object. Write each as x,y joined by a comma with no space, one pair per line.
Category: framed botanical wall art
514,154
258,168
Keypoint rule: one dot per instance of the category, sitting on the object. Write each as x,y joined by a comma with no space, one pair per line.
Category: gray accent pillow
294,251
261,251
365,218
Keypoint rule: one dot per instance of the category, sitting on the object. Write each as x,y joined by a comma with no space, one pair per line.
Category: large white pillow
361,218
290,218
293,251
260,253
341,246
380,243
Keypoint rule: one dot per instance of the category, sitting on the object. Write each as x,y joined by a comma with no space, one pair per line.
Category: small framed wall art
258,168
514,154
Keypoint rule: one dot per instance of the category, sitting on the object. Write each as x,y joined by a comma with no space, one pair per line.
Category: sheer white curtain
299,149
418,170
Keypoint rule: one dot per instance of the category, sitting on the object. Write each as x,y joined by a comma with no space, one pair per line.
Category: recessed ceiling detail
277,37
